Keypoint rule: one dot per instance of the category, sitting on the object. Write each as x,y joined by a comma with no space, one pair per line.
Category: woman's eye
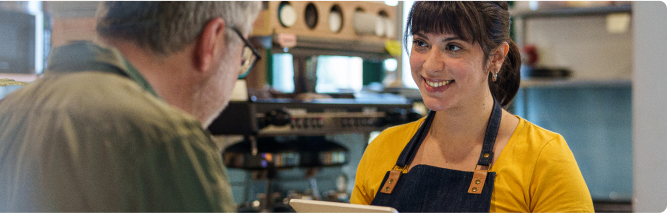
419,43
452,47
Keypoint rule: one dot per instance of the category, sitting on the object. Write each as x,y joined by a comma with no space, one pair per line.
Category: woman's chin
435,104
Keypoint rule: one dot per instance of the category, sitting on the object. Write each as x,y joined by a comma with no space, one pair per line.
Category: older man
119,125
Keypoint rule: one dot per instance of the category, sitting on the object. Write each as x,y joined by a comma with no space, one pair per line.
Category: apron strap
486,156
487,148
416,141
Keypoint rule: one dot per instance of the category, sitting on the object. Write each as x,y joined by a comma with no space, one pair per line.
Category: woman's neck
463,124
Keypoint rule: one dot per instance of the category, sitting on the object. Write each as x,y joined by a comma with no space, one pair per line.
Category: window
335,74
283,72
339,74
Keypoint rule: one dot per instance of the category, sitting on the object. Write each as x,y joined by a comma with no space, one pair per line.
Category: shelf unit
308,46
592,112
520,16
573,83
563,12
319,40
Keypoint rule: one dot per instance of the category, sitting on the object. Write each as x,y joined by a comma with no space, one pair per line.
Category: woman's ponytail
509,77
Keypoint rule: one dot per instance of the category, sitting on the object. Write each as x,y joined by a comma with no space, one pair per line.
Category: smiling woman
488,29
468,154
450,68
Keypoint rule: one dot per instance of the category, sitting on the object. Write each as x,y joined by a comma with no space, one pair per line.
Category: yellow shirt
535,172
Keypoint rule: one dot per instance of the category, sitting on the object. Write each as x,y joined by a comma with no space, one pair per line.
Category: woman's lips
436,85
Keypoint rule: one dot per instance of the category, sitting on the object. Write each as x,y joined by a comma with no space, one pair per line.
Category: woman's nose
434,61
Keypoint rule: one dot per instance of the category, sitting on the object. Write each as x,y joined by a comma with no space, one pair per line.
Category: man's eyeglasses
250,55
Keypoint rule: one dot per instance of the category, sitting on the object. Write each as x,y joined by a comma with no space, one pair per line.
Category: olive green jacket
92,135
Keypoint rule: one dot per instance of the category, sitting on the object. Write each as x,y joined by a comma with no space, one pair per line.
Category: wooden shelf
563,12
319,40
308,46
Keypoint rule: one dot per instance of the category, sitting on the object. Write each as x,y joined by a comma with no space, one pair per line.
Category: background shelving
593,108
564,12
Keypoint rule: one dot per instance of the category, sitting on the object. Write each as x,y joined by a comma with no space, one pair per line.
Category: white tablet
302,206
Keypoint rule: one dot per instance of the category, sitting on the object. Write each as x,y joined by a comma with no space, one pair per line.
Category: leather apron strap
485,158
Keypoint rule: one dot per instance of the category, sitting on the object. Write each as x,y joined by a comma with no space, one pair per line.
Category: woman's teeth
439,84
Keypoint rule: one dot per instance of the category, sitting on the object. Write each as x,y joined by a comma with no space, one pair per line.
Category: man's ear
211,43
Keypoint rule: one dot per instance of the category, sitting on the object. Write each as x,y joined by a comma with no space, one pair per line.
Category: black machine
287,133
261,121
282,117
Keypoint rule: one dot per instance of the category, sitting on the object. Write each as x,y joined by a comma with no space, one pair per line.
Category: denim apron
434,189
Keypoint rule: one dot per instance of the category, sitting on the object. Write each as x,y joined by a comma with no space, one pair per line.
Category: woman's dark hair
487,23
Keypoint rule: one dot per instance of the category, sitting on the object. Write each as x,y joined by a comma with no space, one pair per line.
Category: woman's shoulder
534,135
537,168
527,144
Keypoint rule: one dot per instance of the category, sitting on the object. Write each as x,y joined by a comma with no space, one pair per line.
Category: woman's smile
435,85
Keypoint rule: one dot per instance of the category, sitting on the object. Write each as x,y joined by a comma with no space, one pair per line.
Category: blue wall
596,122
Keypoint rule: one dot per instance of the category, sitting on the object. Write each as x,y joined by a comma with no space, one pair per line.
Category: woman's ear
210,45
498,56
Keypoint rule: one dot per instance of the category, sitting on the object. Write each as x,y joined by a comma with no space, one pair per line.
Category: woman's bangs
443,17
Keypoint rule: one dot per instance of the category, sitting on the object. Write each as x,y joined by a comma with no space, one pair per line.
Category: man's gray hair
168,27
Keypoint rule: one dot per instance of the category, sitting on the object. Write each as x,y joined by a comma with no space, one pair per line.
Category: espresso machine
284,134
285,142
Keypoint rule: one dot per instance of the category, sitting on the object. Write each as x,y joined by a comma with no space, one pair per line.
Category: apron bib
434,189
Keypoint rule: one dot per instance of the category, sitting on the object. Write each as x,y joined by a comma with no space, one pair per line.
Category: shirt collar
84,56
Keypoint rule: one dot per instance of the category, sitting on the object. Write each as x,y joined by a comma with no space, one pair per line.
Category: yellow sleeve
557,184
359,193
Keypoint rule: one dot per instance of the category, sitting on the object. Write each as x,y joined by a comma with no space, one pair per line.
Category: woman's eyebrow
418,34
451,39
443,40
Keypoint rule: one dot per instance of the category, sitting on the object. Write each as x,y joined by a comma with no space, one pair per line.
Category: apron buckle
478,179
394,175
